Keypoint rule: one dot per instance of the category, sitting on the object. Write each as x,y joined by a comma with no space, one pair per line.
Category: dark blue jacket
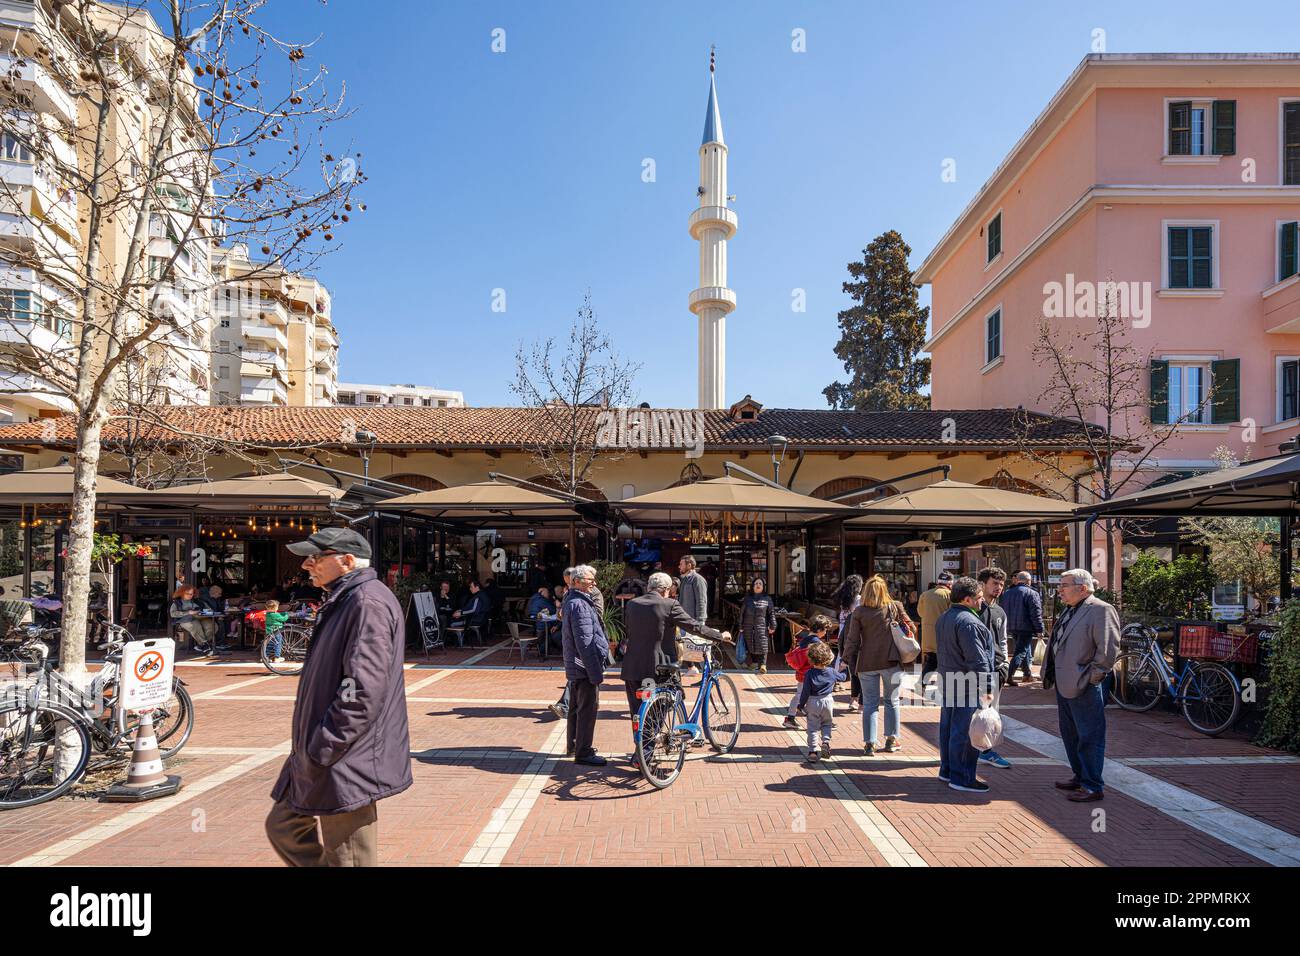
586,648
475,611
965,645
820,681
1024,607
537,604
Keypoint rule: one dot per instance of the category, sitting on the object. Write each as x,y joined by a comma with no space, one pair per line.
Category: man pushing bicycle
651,624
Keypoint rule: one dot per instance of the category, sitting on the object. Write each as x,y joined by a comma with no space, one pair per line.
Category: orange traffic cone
145,778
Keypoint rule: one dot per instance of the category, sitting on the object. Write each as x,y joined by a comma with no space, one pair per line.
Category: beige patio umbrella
251,492
53,485
746,501
482,499
957,504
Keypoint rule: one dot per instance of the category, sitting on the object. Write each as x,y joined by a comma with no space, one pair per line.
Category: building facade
43,235
1177,178
352,393
274,342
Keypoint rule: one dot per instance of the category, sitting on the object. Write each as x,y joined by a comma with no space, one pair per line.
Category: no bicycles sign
147,673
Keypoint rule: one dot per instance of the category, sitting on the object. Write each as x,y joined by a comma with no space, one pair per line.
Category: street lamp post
777,445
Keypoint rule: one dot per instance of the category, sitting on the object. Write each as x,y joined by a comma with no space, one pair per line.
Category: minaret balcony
712,296
713,217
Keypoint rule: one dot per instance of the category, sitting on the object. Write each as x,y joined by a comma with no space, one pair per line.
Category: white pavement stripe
143,812
228,688
427,681
486,652
500,832
1228,826
891,844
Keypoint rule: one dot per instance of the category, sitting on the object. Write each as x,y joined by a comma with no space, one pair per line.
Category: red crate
1207,642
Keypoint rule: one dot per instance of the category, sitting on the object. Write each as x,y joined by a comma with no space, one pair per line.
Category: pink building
1177,176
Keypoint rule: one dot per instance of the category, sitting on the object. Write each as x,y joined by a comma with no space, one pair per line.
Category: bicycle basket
691,650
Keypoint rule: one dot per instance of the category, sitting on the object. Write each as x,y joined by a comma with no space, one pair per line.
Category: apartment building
273,341
42,229
1177,177
350,393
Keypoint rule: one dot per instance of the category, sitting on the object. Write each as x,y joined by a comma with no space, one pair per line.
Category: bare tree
1098,378
150,141
567,388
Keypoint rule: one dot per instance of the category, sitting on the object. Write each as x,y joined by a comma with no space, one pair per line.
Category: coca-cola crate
1204,641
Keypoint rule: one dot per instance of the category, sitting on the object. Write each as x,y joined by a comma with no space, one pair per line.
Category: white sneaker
278,660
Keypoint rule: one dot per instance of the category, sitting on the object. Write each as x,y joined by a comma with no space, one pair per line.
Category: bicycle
295,639
1208,692
49,727
662,732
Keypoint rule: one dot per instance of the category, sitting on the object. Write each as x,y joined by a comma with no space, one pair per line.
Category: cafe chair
519,640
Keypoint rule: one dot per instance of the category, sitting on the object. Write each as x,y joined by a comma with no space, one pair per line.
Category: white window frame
1198,101
1278,361
990,363
1165,226
1002,237
1282,101
1207,410
1277,250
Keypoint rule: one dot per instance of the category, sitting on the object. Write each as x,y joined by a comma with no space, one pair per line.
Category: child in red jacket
797,657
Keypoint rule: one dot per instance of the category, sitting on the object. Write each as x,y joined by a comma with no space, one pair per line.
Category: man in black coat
351,745
650,623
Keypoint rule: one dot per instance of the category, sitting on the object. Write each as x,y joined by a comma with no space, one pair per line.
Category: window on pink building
1191,257
1291,144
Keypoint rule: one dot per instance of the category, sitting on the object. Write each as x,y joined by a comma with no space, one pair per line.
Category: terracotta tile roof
513,427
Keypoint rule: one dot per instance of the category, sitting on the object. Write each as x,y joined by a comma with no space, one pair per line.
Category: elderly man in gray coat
1085,641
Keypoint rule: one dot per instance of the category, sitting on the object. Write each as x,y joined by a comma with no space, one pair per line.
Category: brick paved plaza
491,788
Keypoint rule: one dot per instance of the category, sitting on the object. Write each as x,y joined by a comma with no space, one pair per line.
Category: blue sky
522,170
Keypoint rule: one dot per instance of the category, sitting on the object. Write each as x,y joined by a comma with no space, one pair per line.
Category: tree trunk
81,539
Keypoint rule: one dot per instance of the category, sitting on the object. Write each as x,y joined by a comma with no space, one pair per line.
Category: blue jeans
274,641
871,681
1023,655
1083,731
957,758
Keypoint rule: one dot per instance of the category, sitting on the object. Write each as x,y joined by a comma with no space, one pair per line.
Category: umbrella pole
1284,585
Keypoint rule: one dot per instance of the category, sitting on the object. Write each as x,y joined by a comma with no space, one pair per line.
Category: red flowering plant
109,550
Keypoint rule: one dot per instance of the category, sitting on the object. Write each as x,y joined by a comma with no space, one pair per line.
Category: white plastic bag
985,729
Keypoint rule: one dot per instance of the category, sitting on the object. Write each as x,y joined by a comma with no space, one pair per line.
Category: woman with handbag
880,639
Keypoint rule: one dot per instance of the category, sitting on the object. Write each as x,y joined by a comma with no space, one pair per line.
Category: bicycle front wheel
1211,701
1138,684
293,652
660,751
44,751
722,713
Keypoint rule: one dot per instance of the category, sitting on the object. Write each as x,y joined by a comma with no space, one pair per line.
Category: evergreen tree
882,334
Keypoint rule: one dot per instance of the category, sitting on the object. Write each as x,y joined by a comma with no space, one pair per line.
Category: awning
1264,488
728,495
482,499
957,504
42,486
253,492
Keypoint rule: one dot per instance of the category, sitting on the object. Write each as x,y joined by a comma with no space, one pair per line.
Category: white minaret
712,224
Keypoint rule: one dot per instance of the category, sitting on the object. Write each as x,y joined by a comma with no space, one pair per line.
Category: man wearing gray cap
351,747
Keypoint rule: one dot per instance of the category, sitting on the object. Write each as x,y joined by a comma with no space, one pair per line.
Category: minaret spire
712,224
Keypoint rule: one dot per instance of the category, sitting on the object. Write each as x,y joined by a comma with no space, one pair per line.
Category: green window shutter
1159,392
1289,259
1180,128
1225,379
1225,127
995,237
1291,145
